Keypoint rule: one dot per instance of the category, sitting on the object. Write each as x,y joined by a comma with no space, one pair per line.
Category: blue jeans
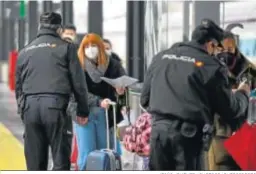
145,163
92,136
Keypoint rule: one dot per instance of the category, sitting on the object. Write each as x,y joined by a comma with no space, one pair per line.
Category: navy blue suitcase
105,159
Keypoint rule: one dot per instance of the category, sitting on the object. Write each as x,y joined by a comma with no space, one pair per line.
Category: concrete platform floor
11,137
11,132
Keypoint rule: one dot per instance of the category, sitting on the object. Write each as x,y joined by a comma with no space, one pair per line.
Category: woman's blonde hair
92,38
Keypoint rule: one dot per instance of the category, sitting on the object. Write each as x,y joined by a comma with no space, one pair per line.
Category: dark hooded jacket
115,56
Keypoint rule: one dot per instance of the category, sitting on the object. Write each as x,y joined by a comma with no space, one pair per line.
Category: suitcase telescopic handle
128,108
113,104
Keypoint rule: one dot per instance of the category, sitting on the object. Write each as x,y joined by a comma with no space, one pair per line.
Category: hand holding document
120,82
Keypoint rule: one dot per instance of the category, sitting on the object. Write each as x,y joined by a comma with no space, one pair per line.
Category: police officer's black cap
207,30
50,19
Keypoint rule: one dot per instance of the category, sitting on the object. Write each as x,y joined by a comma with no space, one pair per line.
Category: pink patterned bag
137,136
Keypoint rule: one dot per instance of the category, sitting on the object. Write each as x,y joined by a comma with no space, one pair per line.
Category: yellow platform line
11,151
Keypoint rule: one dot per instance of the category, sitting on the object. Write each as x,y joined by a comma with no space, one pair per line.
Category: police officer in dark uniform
48,71
183,89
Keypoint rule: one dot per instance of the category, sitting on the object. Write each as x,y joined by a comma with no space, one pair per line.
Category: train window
232,13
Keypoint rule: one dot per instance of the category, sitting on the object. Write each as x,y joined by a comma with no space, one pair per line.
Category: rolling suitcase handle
128,109
113,104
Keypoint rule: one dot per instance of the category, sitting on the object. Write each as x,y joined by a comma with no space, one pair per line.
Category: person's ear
60,31
210,47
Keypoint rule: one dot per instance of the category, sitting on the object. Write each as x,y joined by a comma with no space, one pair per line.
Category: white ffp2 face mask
108,52
91,52
69,38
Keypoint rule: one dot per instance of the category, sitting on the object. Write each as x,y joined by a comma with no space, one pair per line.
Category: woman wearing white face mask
109,52
96,64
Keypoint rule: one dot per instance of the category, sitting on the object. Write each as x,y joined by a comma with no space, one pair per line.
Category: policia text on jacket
47,72
183,89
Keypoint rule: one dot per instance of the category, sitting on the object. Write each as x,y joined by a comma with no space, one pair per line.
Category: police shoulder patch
53,45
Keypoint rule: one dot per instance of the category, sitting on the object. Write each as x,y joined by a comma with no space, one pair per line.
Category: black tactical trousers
70,128
175,145
45,122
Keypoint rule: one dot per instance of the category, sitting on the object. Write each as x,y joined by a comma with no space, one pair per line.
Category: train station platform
11,137
11,132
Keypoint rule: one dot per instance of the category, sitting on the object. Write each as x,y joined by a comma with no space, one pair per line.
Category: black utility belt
65,96
187,128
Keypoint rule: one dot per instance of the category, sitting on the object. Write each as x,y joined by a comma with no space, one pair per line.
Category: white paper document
121,82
